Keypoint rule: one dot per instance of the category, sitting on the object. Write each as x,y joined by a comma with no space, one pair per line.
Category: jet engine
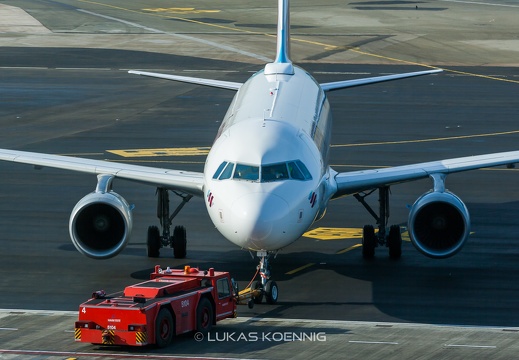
100,224
439,224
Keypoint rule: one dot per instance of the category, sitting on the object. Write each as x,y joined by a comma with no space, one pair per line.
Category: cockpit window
304,170
294,170
274,172
246,172
227,172
219,170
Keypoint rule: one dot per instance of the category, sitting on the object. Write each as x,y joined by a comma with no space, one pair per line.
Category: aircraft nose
260,218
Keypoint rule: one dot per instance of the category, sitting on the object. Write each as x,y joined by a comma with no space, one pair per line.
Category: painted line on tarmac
82,68
154,161
181,36
187,151
399,142
331,233
7,312
489,77
471,346
25,67
179,10
343,251
373,342
480,3
27,312
301,268
108,355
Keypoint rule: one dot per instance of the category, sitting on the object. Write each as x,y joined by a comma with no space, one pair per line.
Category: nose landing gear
267,288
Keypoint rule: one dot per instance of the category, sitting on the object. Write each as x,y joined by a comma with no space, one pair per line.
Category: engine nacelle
100,224
439,224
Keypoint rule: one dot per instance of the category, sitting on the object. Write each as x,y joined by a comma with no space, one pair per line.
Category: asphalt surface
79,100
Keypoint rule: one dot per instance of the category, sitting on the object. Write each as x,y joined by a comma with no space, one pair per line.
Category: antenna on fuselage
282,65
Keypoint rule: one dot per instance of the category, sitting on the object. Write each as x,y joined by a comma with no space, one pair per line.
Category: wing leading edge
356,181
336,85
229,85
185,181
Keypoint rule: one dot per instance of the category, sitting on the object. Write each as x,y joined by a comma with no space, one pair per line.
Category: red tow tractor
172,302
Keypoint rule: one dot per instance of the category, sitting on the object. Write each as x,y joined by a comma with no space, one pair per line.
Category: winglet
282,65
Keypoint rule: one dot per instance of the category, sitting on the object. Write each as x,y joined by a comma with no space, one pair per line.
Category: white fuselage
266,176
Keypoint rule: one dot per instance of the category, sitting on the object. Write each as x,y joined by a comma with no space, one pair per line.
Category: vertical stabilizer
282,64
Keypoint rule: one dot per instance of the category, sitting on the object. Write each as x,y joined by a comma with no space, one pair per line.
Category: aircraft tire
179,242
369,242
271,292
394,242
153,242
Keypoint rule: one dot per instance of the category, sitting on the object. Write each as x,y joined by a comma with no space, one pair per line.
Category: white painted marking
181,36
105,355
9,329
71,68
211,71
472,346
480,3
25,67
154,70
8,312
375,324
373,342
341,73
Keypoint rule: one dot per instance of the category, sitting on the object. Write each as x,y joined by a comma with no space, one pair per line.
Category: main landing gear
156,240
267,288
370,239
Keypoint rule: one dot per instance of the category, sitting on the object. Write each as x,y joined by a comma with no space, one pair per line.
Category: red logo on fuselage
210,198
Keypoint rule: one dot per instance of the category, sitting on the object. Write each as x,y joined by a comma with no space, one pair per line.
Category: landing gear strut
155,239
269,288
370,239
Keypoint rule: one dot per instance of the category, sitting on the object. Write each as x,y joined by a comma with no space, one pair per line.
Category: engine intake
439,224
100,224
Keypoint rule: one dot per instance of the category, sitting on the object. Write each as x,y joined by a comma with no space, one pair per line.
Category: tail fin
282,64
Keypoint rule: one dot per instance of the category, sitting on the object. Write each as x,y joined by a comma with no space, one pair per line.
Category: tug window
223,288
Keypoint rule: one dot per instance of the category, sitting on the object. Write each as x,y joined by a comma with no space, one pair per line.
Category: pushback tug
172,302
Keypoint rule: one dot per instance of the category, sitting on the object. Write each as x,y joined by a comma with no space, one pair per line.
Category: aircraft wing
185,181
229,85
336,85
356,181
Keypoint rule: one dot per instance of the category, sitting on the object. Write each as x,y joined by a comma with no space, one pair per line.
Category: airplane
267,179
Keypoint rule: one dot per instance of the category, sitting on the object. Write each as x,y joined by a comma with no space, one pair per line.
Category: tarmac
65,90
